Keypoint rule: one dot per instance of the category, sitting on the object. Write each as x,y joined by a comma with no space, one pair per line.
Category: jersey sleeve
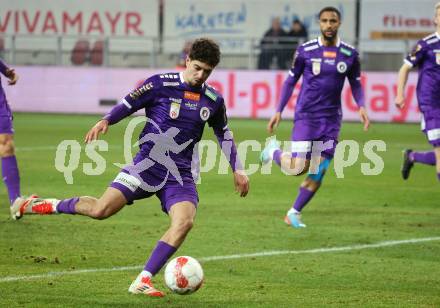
219,120
415,57
139,98
295,73
354,78
219,123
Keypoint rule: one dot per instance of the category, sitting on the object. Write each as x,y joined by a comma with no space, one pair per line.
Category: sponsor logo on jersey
191,96
211,95
141,90
170,84
329,54
191,106
204,113
346,51
341,67
330,61
316,68
174,110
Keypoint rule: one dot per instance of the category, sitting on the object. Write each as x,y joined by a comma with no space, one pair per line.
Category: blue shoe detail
294,219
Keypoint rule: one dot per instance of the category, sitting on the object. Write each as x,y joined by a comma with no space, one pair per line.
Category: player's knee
7,147
298,166
183,226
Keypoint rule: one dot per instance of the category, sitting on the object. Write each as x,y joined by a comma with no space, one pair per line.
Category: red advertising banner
248,94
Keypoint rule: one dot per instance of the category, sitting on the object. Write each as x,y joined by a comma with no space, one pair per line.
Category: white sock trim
271,151
145,273
292,211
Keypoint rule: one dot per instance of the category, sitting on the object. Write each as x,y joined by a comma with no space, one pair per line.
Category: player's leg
411,157
437,156
296,164
306,192
108,204
431,127
10,172
180,202
182,215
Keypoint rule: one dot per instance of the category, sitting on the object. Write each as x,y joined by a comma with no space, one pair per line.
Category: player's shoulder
347,49
309,45
430,39
212,93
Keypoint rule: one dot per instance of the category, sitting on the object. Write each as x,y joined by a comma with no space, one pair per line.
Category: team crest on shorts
174,110
316,68
341,67
204,113
437,57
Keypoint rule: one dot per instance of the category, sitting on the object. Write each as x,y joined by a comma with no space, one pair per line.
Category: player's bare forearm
402,79
99,128
274,122
364,117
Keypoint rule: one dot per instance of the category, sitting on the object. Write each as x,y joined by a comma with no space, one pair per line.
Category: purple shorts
430,125
6,124
146,184
319,136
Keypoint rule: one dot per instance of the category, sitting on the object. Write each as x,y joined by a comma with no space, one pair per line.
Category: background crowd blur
155,33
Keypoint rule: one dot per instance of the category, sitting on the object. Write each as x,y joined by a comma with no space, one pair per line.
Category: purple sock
277,157
67,206
303,198
160,255
427,158
438,176
11,177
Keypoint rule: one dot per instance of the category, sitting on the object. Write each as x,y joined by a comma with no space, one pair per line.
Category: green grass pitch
351,211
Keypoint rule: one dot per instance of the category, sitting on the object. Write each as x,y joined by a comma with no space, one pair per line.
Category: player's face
329,24
197,72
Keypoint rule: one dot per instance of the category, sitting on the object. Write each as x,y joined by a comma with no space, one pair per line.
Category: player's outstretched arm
241,182
274,122
401,84
12,76
99,128
364,118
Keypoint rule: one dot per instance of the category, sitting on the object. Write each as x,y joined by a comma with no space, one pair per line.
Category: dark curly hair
205,50
330,9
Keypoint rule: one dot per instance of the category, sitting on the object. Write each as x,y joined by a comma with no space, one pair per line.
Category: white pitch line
229,257
53,147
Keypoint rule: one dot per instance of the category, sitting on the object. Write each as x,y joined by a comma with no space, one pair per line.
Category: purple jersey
178,112
324,70
4,108
426,55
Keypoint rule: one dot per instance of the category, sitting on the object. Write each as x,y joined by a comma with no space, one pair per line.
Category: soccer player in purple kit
10,172
426,56
324,63
177,106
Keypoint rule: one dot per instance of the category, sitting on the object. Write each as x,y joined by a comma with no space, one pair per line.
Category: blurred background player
324,62
426,56
179,104
10,173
